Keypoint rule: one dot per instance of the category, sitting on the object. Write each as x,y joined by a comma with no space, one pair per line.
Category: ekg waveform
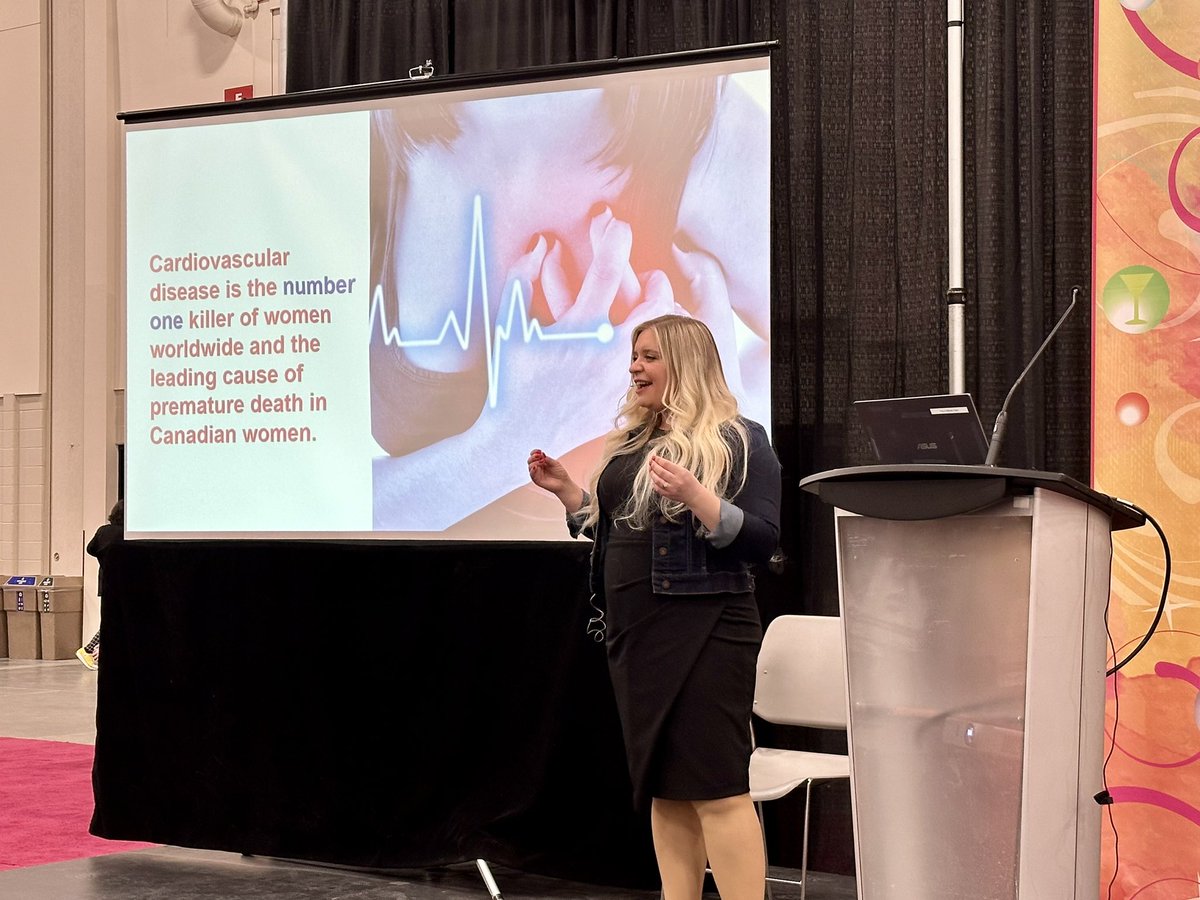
517,318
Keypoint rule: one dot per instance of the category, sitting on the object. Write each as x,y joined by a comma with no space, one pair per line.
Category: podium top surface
924,491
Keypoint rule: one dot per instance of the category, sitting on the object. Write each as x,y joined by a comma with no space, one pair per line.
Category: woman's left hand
673,481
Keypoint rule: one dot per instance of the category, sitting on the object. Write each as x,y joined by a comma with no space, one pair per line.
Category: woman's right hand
551,475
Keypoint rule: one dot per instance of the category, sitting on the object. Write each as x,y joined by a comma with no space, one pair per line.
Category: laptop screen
943,428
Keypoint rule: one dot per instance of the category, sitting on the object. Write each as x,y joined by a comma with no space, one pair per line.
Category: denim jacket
690,559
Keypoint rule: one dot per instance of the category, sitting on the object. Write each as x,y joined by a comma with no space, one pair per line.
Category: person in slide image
684,501
586,211
106,535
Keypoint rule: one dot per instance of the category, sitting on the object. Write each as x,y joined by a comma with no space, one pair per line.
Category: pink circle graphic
1151,797
1165,669
1162,669
1172,58
1170,879
1189,218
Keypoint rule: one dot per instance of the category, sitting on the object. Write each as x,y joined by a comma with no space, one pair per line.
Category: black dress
682,668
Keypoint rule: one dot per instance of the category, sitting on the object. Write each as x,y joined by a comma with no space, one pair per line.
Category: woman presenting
685,498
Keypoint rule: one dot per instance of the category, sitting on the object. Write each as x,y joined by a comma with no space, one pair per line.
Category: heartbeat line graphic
494,338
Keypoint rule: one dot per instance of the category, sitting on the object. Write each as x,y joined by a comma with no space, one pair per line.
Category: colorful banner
1146,432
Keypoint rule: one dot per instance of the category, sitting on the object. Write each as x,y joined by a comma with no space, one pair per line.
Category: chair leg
762,827
804,852
488,881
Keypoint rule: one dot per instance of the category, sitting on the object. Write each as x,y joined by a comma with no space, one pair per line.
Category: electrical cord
596,626
1162,600
1104,798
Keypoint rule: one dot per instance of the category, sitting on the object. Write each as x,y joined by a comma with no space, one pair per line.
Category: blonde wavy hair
702,429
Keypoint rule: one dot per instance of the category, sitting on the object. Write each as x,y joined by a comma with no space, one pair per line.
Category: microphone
1002,418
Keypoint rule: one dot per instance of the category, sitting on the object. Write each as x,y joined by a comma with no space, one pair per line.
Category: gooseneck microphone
1002,418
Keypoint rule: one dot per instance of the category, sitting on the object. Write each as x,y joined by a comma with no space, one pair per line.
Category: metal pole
489,882
955,301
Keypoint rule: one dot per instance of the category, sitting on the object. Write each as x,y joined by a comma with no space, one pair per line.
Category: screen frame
373,92
379,90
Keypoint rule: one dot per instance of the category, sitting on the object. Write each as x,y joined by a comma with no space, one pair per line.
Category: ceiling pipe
220,16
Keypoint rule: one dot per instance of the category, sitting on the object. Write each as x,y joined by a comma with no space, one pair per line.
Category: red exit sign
245,92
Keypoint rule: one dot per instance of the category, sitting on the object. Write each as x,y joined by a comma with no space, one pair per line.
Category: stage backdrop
1146,430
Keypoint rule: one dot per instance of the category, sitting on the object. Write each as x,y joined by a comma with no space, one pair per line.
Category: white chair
801,680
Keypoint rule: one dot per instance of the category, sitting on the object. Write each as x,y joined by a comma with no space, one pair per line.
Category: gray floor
57,701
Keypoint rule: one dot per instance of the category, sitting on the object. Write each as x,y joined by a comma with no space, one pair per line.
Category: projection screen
354,316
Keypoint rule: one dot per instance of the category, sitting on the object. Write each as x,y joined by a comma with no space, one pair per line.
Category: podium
972,603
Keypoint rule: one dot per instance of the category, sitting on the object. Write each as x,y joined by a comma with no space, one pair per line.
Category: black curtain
859,219
1028,185
859,196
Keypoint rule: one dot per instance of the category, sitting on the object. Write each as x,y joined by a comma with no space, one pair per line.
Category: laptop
943,428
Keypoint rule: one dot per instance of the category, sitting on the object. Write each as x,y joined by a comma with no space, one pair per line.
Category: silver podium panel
975,669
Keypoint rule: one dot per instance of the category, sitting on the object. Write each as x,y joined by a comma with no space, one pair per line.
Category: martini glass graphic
1136,283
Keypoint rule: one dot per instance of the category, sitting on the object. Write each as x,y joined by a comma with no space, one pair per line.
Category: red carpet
46,804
